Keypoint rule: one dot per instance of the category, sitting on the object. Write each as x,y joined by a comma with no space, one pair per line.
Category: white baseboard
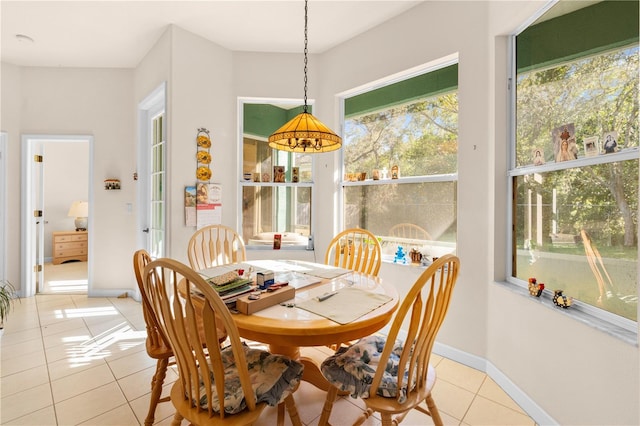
112,292
532,409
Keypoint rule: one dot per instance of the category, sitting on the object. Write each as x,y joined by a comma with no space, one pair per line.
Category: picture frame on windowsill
591,146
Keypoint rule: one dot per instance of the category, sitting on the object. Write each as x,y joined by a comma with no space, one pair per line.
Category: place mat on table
346,306
328,273
319,270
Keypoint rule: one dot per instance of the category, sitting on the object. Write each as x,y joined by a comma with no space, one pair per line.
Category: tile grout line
522,412
475,395
128,403
72,374
49,378
117,382
46,361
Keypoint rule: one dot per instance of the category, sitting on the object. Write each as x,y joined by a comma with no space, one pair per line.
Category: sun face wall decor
203,156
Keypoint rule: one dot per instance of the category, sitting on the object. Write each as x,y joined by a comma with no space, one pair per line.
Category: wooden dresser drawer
69,245
66,238
66,252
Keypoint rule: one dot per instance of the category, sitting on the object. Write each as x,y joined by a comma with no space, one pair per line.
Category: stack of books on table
230,286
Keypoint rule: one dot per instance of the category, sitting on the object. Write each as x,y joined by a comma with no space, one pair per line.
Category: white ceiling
116,33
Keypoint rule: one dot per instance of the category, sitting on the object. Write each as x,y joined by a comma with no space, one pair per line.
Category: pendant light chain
305,53
304,132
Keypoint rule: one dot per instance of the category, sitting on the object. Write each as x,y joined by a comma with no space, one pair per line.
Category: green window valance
590,30
425,85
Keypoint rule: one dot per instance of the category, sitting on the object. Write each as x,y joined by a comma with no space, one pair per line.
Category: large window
575,174
400,163
276,185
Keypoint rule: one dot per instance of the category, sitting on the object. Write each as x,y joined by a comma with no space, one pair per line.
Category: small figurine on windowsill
400,256
535,289
415,255
561,300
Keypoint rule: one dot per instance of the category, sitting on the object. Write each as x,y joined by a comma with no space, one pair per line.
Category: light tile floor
69,277
73,360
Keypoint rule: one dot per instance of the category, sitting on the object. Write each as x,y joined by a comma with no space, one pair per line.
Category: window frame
436,65
598,318
275,185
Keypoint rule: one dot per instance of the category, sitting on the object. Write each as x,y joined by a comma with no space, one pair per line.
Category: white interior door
152,173
157,177
32,225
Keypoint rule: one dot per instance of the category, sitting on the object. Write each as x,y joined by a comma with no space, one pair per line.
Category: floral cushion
352,369
273,378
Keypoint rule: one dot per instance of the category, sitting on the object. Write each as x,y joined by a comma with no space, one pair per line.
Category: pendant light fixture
305,133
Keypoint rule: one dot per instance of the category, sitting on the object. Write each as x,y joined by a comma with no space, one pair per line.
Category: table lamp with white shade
79,210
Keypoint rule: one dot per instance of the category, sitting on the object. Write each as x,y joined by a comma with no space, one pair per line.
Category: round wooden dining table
286,328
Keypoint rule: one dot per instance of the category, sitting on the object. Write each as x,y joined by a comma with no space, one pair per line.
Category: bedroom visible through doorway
57,174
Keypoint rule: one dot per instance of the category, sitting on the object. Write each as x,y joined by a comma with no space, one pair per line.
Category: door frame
29,143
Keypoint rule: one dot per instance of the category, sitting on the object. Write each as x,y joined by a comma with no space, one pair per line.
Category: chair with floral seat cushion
156,343
215,385
391,376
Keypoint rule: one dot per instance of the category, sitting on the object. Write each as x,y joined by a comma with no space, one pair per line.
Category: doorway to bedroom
57,232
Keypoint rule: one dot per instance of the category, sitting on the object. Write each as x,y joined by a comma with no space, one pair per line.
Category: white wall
201,96
96,102
153,71
10,110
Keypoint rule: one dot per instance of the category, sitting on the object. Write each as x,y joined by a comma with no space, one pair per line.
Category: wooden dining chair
157,344
215,245
409,230
390,376
356,249
215,385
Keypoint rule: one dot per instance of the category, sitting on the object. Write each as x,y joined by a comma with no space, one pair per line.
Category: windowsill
410,179
577,314
390,259
269,183
624,154
270,247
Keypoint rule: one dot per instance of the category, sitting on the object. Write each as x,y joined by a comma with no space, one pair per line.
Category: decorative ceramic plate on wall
203,157
204,141
203,173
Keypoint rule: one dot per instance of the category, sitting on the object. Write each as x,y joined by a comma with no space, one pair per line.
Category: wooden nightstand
69,245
